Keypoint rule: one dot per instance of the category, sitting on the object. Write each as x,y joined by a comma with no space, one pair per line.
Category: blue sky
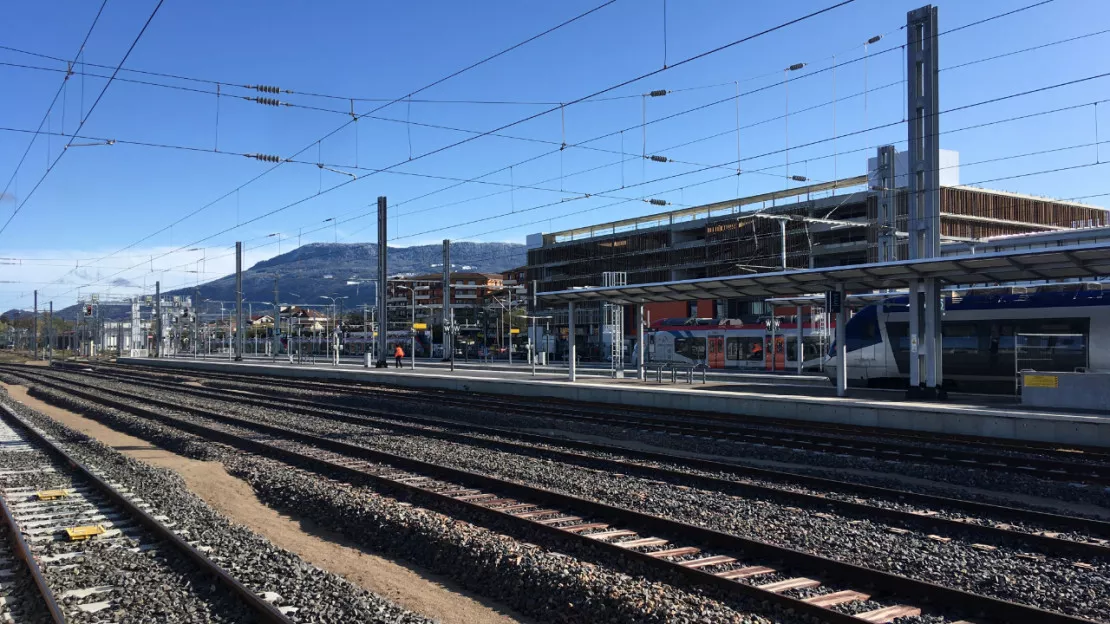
101,199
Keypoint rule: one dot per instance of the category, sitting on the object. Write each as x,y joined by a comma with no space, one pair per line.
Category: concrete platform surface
997,421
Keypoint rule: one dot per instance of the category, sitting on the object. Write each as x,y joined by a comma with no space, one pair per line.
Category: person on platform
398,354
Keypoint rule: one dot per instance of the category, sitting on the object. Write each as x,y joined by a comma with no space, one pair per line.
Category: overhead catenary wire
622,151
603,91
84,119
430,85
54,101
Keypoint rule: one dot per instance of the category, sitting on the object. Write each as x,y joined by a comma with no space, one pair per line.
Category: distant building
814,227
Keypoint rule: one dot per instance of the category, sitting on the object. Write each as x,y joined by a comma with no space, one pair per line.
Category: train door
716,358
774,354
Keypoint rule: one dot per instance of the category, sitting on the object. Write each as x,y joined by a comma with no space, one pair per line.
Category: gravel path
1052,583
551,586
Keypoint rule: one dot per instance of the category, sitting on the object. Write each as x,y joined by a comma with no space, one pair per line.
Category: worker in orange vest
398,353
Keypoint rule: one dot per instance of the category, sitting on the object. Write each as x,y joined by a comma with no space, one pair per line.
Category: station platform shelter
919,280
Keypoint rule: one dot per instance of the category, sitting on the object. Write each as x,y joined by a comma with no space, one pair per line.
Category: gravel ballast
542,583
317,595
1053,583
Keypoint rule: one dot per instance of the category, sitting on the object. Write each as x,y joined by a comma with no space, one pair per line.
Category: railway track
79,534
825,589
980,520
562,405
1072,465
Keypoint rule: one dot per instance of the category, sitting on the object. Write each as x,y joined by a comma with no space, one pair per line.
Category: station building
812,226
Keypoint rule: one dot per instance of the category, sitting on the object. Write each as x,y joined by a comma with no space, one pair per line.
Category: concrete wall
1085,391
1010,423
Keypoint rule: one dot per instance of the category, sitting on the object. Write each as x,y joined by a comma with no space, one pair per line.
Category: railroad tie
611,534
559,519
534,513
885,615
708,561
792,583
743,573
836,598
578,528
643,542
676,552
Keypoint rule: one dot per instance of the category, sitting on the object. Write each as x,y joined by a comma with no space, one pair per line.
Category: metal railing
675,367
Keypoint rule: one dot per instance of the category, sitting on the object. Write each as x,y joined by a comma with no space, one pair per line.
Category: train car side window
732,349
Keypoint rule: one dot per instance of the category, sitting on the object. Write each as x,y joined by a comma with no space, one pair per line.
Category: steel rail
266,612
973,605
571,409
23,551
372,417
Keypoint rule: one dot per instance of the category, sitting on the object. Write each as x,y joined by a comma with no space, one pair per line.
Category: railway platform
978,416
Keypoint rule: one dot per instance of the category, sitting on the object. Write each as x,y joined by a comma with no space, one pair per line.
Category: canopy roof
1052,263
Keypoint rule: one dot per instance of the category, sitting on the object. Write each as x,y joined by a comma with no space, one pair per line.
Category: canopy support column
841,346
571,355
914,391
640,346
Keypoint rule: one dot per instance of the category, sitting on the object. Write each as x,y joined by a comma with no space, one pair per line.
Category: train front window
862,329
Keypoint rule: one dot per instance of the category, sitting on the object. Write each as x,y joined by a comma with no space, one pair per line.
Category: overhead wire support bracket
104,142
326,168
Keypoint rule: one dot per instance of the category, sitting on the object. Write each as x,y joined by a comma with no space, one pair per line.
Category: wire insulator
266,101
658,158
658,93
264,157
657,202
799,178
796,66
265,88
874,39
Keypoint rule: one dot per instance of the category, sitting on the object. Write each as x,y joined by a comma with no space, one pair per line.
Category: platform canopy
1028,265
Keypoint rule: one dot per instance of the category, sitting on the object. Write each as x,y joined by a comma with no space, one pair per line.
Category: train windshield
862,330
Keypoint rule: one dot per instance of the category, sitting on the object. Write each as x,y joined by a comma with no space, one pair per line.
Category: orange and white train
733,344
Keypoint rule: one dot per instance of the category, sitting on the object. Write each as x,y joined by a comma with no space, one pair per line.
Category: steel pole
35,320
801,335
239,334
158,318
641,374
571,364
50,335
383,277
412,359
277,323
841,347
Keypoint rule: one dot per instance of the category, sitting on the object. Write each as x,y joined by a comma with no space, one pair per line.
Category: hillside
318,269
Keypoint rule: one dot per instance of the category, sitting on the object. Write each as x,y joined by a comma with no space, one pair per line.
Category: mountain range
308,273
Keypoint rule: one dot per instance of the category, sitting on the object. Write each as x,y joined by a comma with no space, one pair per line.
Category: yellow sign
81,533
514,330
1042,381
418,326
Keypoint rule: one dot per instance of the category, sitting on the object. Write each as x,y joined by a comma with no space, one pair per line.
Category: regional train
733,344
987,335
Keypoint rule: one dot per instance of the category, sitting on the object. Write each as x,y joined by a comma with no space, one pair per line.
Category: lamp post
334,307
